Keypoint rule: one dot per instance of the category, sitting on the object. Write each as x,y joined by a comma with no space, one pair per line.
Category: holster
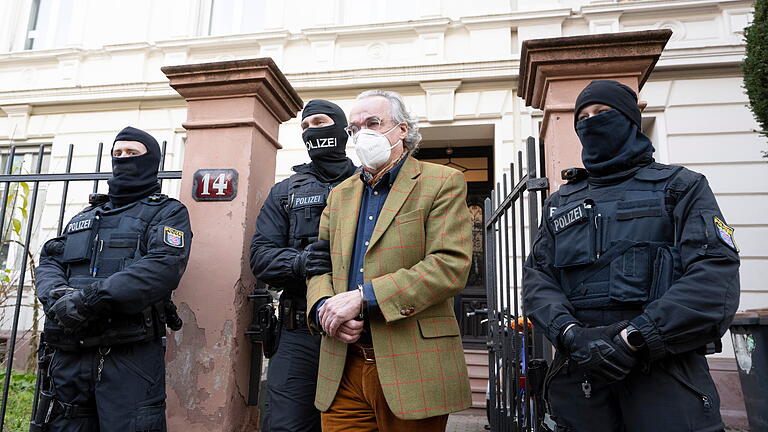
172,318
42,405
536,375
272,336
42,412
262,332
264,327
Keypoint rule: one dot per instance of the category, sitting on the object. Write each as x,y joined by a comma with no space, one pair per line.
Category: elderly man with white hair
391,357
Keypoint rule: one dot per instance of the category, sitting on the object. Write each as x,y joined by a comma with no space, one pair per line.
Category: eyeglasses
372,123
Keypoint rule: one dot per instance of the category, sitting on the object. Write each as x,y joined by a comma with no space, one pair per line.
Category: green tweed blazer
418,259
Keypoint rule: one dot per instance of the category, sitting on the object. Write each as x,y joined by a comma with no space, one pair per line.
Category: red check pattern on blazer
418,259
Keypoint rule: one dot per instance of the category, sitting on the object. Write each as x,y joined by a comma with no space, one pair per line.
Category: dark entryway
476,162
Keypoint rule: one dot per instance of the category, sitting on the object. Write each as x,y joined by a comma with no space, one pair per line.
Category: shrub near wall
20,397
756,64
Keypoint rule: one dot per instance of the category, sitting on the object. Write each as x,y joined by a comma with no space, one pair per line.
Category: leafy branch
17,205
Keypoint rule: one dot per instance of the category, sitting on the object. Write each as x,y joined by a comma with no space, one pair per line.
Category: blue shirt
370,208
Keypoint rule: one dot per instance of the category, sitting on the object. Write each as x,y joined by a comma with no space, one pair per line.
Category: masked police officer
105,286
285,251
633,277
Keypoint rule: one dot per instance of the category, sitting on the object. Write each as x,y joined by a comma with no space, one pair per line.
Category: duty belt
71,411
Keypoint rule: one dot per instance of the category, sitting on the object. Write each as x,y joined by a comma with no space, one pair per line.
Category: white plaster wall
709,129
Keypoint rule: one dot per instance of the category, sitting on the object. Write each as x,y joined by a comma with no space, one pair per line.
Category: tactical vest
98,243
305,203
614,245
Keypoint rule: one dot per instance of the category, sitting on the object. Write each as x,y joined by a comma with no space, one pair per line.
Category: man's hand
314,260
350,331
70,311
600,350
339,309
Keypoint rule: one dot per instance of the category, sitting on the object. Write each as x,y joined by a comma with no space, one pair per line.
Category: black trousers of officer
673,394
128,394
291,384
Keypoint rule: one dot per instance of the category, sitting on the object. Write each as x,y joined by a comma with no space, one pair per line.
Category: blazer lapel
350,198
401,189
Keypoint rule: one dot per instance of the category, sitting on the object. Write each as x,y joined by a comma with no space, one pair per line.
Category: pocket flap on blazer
438,327
412,216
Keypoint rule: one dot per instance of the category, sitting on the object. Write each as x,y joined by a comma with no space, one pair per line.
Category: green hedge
756,64
19,401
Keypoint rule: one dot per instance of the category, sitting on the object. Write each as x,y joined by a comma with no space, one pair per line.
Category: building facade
77,71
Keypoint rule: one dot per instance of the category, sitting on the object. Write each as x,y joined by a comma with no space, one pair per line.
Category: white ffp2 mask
373,148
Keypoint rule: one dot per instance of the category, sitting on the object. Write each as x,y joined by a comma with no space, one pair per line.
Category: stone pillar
234,111
554,71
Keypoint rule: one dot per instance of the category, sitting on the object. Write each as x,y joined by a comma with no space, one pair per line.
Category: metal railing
512,343
8,178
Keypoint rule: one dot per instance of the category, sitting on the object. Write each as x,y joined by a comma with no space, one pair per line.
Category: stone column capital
258,77
609,55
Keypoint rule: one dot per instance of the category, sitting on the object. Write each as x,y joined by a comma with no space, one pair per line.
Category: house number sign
214,185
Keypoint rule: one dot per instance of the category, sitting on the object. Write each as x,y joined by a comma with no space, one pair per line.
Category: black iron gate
20,196
515,351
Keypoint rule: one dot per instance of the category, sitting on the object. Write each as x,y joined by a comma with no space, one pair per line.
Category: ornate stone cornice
658,6
255,77
609,54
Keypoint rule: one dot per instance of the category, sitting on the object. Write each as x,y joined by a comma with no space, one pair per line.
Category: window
355,12
236,16
49,24
19,203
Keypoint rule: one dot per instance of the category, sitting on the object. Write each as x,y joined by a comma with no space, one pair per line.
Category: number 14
220,184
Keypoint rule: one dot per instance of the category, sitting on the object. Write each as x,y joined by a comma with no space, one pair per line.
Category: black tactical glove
314,260
54,295
600,350
59,293
70,311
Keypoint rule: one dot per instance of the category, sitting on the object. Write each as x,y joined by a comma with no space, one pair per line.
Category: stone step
478,399
478,383
476,357
477,368
477,371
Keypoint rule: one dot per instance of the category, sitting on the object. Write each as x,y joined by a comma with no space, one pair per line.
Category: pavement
466,423
473,423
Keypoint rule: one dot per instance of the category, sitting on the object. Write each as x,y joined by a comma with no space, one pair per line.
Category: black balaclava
134,178
327,145
612,141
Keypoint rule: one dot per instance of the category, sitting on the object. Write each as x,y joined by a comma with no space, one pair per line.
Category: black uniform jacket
695,309
146,281
279,238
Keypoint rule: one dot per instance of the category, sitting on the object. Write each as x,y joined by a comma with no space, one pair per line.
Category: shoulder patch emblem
725,233
173,237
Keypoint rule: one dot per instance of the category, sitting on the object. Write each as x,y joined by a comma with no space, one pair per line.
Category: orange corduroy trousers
360,406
